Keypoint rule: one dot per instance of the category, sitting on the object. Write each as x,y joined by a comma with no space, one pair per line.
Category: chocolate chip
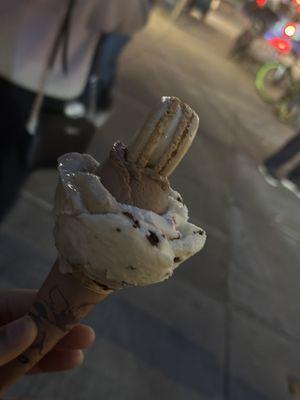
131,267
200,232
177,259
118,230
121,150
153,238
136,223
129,215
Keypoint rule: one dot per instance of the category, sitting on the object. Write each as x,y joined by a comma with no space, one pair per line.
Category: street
226,325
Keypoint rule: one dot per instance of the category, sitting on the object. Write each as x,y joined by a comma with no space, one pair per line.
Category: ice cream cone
62,302
66,298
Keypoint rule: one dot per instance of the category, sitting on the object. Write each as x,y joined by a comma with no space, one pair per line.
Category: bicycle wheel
272,82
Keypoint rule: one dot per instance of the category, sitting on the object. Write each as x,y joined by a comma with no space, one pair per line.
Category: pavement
226,326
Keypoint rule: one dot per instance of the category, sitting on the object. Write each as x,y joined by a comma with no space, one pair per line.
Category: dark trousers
15,104
104,67
285,154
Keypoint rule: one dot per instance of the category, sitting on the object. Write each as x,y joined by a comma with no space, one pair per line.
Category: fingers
80,337
59,360
15,338
14,304
67,353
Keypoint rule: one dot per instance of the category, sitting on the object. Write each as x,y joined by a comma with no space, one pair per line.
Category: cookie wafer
166,137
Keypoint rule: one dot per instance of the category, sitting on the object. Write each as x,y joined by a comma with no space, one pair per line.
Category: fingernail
21,328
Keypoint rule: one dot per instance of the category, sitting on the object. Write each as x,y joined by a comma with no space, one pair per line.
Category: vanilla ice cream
113,243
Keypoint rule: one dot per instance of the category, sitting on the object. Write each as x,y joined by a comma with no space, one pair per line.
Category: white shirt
28,29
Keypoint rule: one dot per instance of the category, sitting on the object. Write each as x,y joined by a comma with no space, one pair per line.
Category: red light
290,29
261,3
282,45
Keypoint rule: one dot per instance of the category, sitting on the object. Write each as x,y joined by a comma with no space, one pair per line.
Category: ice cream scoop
138,175
130,184
117,244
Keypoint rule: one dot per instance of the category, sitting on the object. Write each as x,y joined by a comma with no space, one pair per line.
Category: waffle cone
62,302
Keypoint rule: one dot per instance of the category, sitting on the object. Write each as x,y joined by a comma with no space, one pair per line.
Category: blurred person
18,332
266,11
185,7
118,21
271,166
28,33
261,15
202,5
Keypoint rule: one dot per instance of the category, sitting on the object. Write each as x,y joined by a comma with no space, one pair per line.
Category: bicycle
278,82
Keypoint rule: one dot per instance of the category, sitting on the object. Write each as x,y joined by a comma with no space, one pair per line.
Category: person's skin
18,331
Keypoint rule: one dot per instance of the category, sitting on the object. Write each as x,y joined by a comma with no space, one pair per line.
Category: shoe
291,186
270,178
99,118
75,109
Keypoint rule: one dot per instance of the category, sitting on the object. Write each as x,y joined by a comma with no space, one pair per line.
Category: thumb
15,338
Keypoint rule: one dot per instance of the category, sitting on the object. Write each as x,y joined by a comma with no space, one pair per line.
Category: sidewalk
226,326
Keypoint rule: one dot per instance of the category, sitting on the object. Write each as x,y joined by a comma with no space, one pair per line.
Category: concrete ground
226,326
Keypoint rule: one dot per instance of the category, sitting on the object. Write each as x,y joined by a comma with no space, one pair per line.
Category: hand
18,332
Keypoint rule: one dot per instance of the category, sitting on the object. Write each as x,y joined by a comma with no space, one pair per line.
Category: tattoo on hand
57,311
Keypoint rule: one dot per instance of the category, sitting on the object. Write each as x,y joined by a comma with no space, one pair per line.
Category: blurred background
227,325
